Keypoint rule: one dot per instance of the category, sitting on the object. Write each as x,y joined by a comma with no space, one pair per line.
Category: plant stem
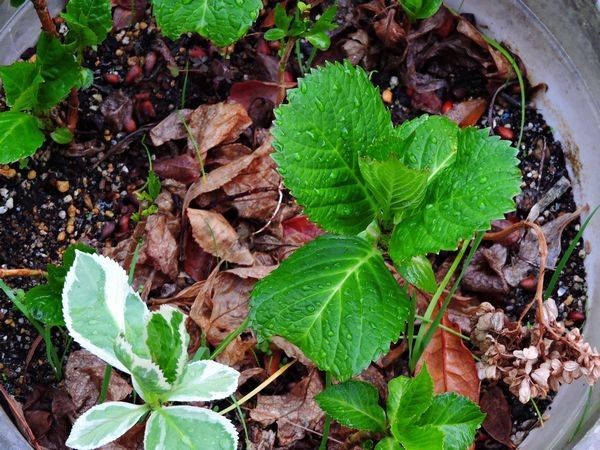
13,273
289,47
310,59
230,337
51,353
73,111
258,389
327,423
48,25
299,57
445,328
105,382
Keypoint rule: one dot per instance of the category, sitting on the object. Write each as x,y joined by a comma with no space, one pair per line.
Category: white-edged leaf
336,300
148,380
104,423
167,341
189,428
94,297
203,381
136,317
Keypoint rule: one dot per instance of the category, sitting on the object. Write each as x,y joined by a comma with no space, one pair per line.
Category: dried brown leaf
450,363
293,412
498,422
217,124
117,109
216,236
467,113
182,168
84,374
171,128
161,248
484,274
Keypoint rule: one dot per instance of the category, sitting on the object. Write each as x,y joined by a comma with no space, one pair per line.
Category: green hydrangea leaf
62,136
457,417
21,82
408,399
354,404
20,136
45,305
167,341
221,21
203,381
190,428
57,274
335,116
420,9
388,444
395,186
465,197
418,272
58,68
421,438
336,300
89,21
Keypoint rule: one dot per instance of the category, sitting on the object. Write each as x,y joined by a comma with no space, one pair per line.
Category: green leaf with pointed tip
221,21
420,9
457,417
336,300
57,274
190,428
335,116
21,82
426,437
418,272
354,404
20,136
394,186
388,444
408,398
167,340
89,21
104,423
58,68
465,197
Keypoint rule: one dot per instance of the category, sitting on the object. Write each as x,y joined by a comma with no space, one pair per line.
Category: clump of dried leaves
532,360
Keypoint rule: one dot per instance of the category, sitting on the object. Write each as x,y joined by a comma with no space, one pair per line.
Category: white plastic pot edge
570,108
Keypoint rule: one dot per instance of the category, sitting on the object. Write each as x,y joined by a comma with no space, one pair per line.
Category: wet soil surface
85,194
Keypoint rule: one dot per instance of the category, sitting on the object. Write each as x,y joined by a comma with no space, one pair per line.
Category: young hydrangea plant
108,318
412,190
221,21
415,417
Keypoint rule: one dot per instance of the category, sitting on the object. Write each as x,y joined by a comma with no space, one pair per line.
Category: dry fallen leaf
498,421
450,363
171,128
293,412
216,236
217,124
182,168
484,274
467,113
84,373
117,109
161,248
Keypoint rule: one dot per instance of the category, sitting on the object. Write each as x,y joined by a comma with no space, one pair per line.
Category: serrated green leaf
167,341
418,272
408,398
62,136
354,404
104,423
221,21
20,136
58,68
325,22
45,305
332,119
426,437
457,417
89,21
21,82
336,300
420,9
388,444
282,20
465,197
395,186
203,381
86,78
190,428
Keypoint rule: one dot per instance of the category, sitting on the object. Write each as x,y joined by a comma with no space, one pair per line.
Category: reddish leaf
450,363
300,230
246,92
467,113
182,168
498,422
198,264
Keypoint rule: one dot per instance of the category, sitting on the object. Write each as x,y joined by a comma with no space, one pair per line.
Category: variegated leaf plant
108,318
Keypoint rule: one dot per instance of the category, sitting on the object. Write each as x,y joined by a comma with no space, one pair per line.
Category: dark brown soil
99,200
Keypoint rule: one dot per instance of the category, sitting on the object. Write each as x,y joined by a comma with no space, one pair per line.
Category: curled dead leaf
467,113
498,420
216,236
171,128
182,168
161,248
